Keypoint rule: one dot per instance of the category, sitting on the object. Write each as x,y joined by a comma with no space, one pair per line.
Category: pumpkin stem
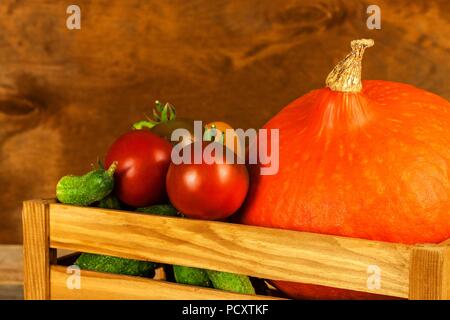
346,75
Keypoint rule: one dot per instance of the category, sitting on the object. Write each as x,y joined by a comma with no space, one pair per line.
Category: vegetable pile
366,159
141,177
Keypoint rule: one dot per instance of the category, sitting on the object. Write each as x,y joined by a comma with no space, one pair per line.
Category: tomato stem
161,113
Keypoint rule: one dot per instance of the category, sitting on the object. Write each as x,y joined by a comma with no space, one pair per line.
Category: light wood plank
430,272
37,254
261,252
11,292
445,293
106,286
11,265
11,272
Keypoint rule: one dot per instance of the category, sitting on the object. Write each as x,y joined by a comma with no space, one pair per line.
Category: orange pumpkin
364,159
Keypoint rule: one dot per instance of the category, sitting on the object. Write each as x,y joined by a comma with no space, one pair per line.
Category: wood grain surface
104,286
260,252
11,272
430,273
66,95
37,254
11,265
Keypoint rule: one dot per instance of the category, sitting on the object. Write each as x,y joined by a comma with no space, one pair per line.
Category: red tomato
207,191
143,160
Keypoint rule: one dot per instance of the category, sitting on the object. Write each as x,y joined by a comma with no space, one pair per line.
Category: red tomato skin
207,191
143,160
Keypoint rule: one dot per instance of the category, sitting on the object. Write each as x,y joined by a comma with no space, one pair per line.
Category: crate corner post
429,277
37,254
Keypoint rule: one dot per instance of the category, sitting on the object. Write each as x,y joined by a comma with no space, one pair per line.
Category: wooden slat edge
446,271
261,252
37,254
105,286
430,272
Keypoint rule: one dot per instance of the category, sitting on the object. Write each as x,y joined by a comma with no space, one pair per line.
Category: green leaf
164,113
156,116
161,113
158,106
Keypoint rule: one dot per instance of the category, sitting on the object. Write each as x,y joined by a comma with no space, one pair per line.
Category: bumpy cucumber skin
87,189
100,263
192,276
161,210
231,282
109,202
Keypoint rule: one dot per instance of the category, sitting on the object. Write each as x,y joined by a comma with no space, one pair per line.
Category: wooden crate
414,272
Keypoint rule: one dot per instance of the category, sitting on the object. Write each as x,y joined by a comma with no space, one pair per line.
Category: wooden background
65,95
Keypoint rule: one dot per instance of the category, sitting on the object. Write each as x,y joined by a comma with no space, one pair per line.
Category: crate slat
430,272
37,254
106,286
261,252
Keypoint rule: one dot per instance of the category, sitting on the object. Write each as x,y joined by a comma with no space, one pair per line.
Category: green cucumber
161,210
192,276
87,189
231,282
109,202
109,264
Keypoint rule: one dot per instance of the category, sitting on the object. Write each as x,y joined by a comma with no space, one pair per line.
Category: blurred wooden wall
65,95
